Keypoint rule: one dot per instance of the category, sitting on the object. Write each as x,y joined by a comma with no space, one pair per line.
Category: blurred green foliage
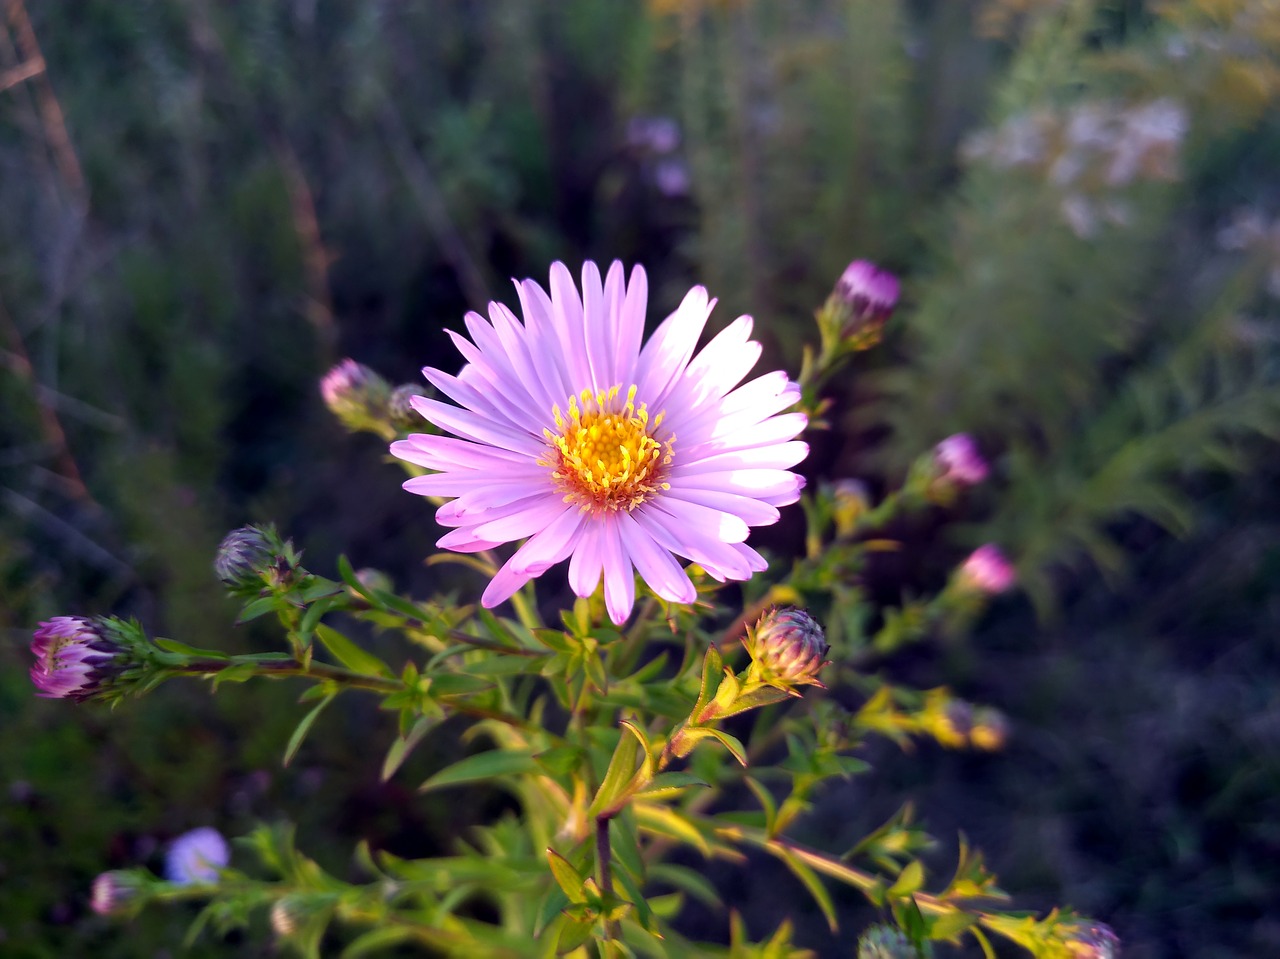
243,193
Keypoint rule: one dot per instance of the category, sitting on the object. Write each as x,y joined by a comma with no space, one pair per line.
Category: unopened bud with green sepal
788,648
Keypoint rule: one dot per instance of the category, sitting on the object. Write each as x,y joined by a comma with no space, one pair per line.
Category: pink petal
586,565
656,565
667,353
619,582
473,426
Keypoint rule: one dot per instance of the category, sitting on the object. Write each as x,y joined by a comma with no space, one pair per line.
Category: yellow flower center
604,455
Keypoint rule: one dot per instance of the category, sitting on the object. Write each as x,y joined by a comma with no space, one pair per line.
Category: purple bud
1092,940
400,408
958,461
196,856
343,381
788,646
987,571
870,293
78,658
243,556
113,892
356,395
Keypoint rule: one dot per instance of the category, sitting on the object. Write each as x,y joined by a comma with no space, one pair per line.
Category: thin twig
24,71
20,362
55,124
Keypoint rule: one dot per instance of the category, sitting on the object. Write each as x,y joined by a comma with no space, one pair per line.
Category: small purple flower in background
959,461
570,435
870,293
987,571
653,134
76,658
343,381
113,892
196,856
671,177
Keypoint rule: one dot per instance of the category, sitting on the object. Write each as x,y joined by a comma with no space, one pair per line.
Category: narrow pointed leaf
304,727
482,766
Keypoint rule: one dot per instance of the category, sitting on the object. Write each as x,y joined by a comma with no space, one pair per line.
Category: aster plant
618,724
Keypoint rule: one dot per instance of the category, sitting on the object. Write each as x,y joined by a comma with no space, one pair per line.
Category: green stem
291,667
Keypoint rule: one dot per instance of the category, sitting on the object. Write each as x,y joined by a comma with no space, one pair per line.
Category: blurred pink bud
959,461
113,892
987,571
870,292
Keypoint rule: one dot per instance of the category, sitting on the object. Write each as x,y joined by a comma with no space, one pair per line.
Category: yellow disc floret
604,455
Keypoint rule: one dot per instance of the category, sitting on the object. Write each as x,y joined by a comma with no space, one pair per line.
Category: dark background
204,205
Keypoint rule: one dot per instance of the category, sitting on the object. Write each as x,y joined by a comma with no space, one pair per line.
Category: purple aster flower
959,461
870,292
604,453
987,571
196,857
77,658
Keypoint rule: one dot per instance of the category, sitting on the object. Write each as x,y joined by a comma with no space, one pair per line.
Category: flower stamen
604,454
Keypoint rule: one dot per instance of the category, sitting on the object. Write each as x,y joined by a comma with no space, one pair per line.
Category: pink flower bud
78,658
959,462
788,646
987,571
113,892
870,293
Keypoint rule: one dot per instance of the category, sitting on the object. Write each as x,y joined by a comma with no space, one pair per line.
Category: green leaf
665,785
348,574
767,803
405,744
730,743
374,940
811,882
173,646
909,880
712,670
687,880
560,760
239,673
613,790
482,766
259,607
948,926
665,821
351,655
457,684
573,933
567,876
304,727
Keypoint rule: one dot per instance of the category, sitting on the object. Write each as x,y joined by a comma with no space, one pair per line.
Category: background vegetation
204,205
